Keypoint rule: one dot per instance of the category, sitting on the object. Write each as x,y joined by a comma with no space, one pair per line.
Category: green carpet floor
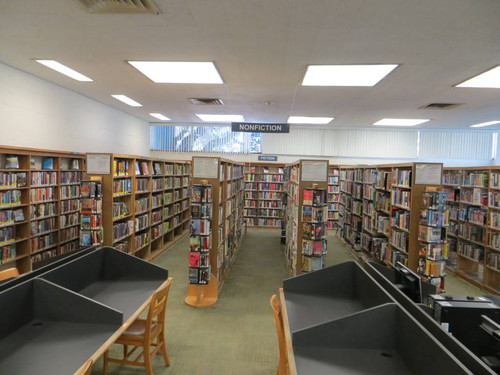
237,335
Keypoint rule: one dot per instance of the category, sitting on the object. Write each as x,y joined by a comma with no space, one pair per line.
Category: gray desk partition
382,275
52,323
343,322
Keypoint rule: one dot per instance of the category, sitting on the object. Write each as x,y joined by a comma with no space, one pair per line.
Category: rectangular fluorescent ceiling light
400,121
159,116
63,69
489,123
127,100
221,118
179,72
346,75
309,120
489,80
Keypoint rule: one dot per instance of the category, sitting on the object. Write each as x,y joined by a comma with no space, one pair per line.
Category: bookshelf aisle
216,226
263,195
39,206
306,184
145,202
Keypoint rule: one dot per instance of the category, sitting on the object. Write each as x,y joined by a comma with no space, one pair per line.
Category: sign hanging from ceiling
268,158
250,127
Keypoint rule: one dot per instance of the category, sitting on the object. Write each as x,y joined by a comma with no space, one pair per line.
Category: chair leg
105,363
161,341
147,359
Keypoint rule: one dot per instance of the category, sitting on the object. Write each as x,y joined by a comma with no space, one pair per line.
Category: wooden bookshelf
226,181
145,202
301,176
474,225
263,206
43,186
333,196
380,209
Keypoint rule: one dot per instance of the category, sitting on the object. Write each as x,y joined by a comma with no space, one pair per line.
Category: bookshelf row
146,202
216,226
383,214
263,204
474,230
39,206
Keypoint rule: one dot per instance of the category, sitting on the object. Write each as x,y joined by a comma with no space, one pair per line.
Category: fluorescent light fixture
309,120
221,118
489,80
489,123
127,100
400,121
179,72
63,69
346,75
159,116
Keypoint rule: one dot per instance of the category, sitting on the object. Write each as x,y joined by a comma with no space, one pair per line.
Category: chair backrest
278,320
86,369
158,303
8,273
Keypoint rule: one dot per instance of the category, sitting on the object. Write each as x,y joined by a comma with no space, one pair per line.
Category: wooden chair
283,368
146,334
8,273
86,369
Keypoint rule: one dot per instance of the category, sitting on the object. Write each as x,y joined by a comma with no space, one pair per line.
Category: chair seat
137,330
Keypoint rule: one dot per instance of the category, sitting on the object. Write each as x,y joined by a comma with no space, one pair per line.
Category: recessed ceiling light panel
346,75
179,72
125,99
159,116
400,122
489,79
489,123
63,69
221,118
309,120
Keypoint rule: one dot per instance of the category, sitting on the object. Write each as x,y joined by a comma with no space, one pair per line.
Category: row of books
122,186
43,178
41,195
72,191
11,216
69,220
141,222
42,226
92,237
141,240
142,185
7,253
477,179
91,221
42,242
71,177
12,180
69,205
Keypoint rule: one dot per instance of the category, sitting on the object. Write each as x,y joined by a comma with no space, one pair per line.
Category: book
308,198
21,179
47,163
194,243
194,259
157,169
307,213
75,164
137,169
19,215
11,162
144,168
193,275
196,193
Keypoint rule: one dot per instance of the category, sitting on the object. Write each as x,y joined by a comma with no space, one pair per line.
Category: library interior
256,187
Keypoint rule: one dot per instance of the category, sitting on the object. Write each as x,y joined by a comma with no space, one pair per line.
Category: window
204,139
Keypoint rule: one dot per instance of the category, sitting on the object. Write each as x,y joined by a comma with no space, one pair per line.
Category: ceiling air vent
120,6
206,101
441,106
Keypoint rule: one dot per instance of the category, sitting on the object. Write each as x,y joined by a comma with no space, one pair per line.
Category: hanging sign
268,158
249,127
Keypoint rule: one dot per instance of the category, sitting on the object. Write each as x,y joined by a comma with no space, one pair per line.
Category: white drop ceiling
262,48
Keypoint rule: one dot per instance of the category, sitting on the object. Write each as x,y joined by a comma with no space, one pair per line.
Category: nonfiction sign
249,127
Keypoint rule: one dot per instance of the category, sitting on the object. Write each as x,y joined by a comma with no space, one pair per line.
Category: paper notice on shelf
98,164
314,171
205,167
428,174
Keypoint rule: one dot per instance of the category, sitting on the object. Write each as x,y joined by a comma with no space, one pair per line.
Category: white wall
38,114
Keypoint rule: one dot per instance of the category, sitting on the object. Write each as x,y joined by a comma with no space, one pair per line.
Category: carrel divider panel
421,314
383,338
330,293
16,308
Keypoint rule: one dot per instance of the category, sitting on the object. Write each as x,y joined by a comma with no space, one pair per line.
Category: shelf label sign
268,158
249,127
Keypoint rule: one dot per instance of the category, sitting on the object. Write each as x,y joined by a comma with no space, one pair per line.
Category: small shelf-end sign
250,127
268,158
